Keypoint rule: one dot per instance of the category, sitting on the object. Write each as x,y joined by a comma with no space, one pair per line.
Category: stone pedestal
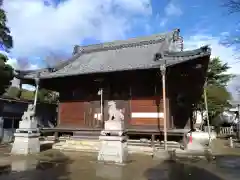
113,149
113,146
26,138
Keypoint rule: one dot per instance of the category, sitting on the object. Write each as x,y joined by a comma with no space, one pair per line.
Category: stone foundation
113,149
26,138
25,143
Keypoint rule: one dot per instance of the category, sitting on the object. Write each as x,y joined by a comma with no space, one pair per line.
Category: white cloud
163,22
28,87
36,27
226,54
171,10
13,62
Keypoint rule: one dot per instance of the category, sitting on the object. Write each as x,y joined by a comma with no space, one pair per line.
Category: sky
41,28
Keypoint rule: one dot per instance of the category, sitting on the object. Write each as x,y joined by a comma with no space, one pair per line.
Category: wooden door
93,115
71,114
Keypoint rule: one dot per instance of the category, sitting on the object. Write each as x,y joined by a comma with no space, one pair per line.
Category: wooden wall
71,113
137,112
146,111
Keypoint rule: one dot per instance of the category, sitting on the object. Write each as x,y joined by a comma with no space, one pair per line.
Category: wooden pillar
163,72
58,114
20,88
168,118
153,141
56,136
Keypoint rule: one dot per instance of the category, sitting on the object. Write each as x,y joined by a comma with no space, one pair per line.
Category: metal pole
206,108
163,71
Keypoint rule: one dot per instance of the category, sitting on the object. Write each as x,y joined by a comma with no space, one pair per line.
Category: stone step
86,133
93,145
130,142
83,148
84,137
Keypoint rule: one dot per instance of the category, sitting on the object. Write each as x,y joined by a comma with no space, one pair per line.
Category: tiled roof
137,53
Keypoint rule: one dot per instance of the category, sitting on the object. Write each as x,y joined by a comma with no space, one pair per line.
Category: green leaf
217,94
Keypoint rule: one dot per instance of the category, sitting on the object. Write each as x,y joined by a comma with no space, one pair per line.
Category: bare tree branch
233,38
233,6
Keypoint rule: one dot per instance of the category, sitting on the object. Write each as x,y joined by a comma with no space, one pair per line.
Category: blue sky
44,27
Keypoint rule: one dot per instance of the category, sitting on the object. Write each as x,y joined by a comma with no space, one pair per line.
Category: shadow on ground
45,147
47,167
173,170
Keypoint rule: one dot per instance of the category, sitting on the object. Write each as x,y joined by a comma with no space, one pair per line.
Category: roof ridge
119,44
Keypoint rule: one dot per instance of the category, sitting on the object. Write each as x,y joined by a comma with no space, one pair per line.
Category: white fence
223,131
226,131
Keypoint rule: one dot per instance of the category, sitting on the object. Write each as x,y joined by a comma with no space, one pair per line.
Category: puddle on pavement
229,165
5,169
140,167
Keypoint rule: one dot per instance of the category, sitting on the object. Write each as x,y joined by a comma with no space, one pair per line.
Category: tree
218,99
12,92
27,95
6,74
216,74
5,37
217,95
232,7
6,71
45,95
